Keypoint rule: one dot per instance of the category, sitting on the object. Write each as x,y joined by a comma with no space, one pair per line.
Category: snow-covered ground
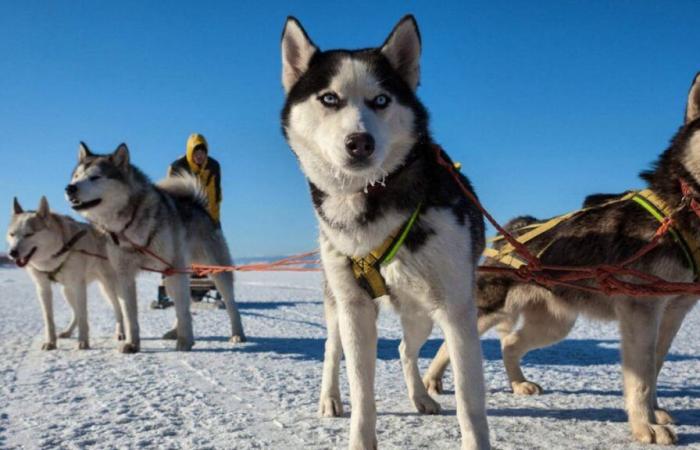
263,394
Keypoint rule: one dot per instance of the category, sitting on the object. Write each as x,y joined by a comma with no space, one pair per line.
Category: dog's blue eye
381,101
94,177
329,99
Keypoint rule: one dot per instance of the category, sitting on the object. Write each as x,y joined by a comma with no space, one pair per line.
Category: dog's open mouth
80,206
21,262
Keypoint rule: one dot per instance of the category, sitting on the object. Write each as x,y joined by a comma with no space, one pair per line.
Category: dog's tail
186,188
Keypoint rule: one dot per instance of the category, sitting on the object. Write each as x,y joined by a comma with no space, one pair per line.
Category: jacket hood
193,141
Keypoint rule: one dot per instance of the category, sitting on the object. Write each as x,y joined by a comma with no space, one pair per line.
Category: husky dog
51,247
169,219
361,136
607,233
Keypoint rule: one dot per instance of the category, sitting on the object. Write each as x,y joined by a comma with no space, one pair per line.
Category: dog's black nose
14,254
359,145
71,189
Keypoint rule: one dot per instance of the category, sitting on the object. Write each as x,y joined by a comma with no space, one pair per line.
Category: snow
264,394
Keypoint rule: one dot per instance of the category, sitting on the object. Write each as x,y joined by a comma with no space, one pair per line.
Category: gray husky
168,219
393,223
51,247
607,232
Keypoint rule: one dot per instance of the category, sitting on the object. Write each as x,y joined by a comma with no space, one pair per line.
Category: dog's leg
457,318
540,329
77,293
126,291
224,284
416,329
639,326
43,290
358,333
110,294
330,404
675,312
178,288
68,332
433,377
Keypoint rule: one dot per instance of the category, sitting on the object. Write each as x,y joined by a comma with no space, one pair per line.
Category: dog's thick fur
606,234
170,219
359,199
40,241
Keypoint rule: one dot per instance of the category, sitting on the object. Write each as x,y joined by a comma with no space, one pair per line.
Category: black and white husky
606,234
361,136
57,249
169,219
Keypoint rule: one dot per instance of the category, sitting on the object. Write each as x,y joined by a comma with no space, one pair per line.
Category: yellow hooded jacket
209,173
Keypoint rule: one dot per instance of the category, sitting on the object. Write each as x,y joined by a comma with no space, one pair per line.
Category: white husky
393,223
56,248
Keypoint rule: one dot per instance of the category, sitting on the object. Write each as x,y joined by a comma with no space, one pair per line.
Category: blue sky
542,102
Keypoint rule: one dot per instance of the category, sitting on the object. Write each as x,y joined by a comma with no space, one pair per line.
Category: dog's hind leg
224,284
540,328
178,288
675,312
330,404
639,328
109,293
416,329
68,331
43,290
457,318
77,293
126,291
433,377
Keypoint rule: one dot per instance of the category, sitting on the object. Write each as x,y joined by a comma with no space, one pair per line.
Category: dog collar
366,269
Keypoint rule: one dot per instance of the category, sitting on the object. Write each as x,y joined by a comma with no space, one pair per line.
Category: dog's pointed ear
402,48
43,209
297,51
16,207
692,109
120,157
83,151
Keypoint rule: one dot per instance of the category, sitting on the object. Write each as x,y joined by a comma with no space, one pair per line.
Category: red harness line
603,278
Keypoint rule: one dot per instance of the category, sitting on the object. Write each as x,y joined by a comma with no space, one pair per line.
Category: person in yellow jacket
198,162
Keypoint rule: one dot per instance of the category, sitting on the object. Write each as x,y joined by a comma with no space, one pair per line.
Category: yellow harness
647,199
366,269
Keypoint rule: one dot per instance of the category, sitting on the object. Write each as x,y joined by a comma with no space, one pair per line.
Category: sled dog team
393,225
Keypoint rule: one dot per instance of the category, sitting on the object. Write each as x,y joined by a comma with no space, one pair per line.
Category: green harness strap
366,269
660,211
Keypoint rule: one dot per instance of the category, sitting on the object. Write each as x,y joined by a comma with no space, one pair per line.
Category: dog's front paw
170,335
65,334
184,345
663,417
526,388
433,385
654,434
83,345
49,346
237,339
129,348
426,405
330,406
